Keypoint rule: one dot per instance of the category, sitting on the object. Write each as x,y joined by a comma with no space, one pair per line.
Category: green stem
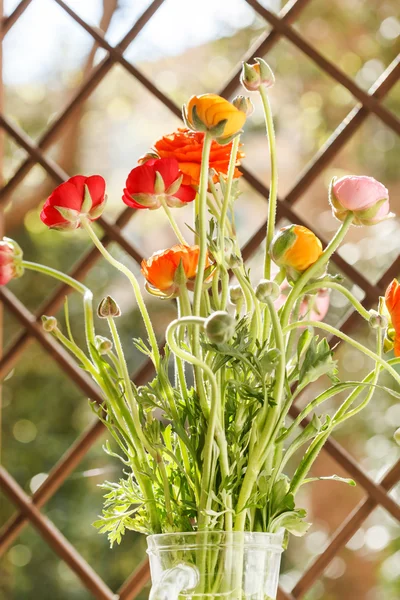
202,224
206,477
135,285
267,427
139,439
313,287
78,287
315,268
173,223
273,191
349,340
228,191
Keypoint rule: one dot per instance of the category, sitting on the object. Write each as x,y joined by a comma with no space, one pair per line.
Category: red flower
156,180
79,196
10,261
392,301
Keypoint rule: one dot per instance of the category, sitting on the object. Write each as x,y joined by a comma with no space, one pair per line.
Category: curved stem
173,223
135,285
273,191
349,340
78,287
313,287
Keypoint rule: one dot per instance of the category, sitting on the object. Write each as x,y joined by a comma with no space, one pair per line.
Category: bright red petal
127,199
168,169
186,193
68,194
97,189
141,179
51,217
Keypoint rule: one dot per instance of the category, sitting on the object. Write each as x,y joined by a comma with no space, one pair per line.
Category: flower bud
49,323
10,260
253,76
108,308
235,294
295,247
219,327
244,104
397,436
267,289
148,156
232,259
103,344
377,321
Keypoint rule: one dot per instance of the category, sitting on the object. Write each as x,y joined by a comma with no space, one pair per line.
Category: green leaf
318,361
331,478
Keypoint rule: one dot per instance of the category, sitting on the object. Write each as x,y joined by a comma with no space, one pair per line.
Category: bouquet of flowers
205,444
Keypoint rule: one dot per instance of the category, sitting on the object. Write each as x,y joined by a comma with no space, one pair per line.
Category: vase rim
167,541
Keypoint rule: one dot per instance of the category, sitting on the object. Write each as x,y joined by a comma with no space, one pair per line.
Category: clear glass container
216,564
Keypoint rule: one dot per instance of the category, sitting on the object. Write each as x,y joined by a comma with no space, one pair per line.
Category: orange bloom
186,146
160,270
210,112
295,247
392,301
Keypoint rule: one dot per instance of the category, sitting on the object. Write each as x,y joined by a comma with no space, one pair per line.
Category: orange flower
214,114
186,146
161,269
392,301
295,247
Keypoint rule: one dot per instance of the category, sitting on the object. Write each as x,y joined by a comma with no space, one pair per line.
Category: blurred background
188,48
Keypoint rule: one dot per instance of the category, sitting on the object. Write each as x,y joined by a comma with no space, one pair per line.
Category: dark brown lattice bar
28,508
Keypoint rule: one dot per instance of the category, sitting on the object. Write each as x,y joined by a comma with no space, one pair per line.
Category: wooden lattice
28,508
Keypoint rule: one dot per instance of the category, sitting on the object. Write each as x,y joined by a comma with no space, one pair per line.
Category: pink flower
10,261
313,307
366,197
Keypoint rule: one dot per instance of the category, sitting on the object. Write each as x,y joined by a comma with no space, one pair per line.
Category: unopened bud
377,321
397,436
108,308
257,74
49,323
235,294
103,344
148,156
243,104
232,259
267,290
220,327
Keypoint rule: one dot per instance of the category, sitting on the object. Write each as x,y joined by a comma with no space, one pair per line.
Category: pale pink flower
366,197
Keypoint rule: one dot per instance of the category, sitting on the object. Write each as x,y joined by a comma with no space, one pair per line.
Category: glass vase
216,564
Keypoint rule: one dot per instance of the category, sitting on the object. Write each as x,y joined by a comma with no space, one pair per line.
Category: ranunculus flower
215,115
162,272
156,180
79,196
296,248
10,261
186,146
366,197
392,301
